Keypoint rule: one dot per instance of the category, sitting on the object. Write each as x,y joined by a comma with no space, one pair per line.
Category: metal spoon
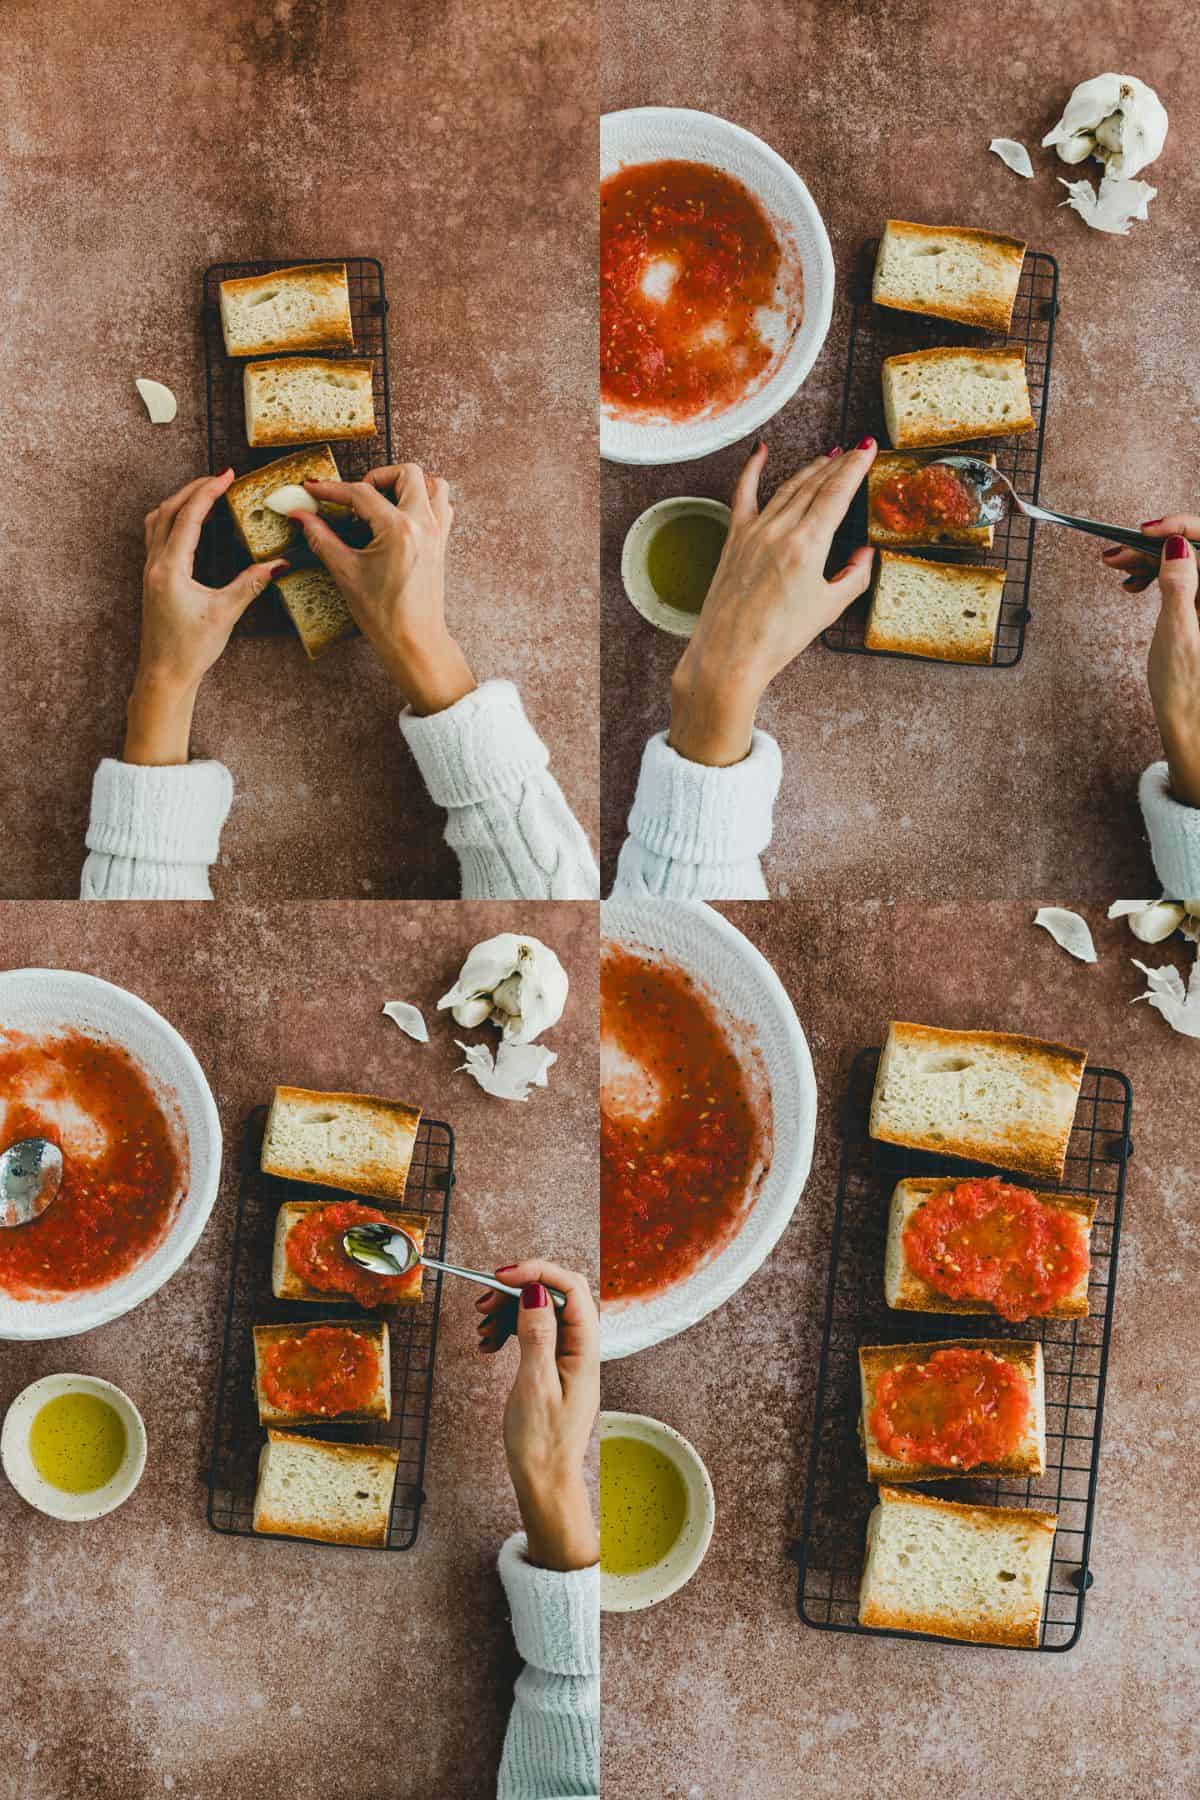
989,487
30,1173
389,1250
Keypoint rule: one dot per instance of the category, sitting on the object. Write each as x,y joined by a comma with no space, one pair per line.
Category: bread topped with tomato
325,1372
309,1263
966,1406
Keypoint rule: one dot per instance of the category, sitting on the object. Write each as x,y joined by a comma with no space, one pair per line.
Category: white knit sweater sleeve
508,822
1174,834
552,1747
697,833
154,833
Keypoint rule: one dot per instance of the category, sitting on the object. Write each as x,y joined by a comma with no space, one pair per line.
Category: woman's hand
395,587
769,599
551,1410
185,626
1174,666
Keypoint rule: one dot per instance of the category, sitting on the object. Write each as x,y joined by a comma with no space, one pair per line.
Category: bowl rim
761,410
657,612
19,1467
40,1329
688,1460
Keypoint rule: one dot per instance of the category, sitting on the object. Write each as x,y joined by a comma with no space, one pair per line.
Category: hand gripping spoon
989,487
30,1173
389,1250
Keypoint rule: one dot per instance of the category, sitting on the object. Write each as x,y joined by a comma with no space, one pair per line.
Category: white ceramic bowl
639,588
19,1465
657,133
42,1001
631,1593
761,1020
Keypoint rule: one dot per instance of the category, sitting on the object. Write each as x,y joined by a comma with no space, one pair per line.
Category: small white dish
638,585
19,1466
632,1593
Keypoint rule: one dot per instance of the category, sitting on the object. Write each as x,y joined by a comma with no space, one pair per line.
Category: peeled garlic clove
1156,922
472,1012
291,499
506,998
521,980
160,402
1110,133
1078,148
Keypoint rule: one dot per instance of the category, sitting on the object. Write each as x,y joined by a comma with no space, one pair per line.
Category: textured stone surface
723,1694
904,778
456,143
143,1653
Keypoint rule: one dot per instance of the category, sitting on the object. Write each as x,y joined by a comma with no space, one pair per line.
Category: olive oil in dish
682,558
77,1442
643,1505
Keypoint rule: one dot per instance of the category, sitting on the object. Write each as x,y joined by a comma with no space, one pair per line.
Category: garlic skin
1013,155
1126,120
515,1069
516,982
1111,208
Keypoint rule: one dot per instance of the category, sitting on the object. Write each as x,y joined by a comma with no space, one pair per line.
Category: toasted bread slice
989,1096
977,1573
266,533
906,1291
887,467
299,399
945,610
317,610
1027,1457
302,308
379,1406
949,272
287,1285
355,1142
945,396
314,1488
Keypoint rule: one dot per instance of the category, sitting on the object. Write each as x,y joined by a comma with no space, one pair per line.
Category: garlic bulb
1124,120
516,982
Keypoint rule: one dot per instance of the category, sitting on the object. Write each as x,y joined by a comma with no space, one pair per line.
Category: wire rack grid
838,1497
877,332
412,1333
221,554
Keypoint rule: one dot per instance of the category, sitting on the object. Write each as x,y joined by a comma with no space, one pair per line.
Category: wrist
159,718
432,674
556,1511
712,718
1182,750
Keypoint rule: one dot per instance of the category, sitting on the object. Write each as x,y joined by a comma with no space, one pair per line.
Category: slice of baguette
303,308
317,610
1027,1457
286,1285
949,272
906,1291
378,1407
946,610
944,396
890,463
977,1573
264,533
297,399
989,1096
314,1488
355,1142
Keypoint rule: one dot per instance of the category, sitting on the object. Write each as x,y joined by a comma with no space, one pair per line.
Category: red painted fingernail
1177,548
534,1295
865,443
503,1270
277,568
836,451
1113,550
1147,523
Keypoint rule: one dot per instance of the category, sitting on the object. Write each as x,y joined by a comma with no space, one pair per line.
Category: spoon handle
489,1281
1115,534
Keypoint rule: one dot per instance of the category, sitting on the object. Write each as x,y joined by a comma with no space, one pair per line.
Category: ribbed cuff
481,747
688,812
555,1617
169,815
1174,834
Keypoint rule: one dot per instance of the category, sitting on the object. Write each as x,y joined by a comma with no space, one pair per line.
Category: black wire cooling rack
838,1497
877,332
221,554
412,1333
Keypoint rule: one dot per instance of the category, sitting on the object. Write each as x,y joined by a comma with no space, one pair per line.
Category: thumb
325,543
851,581
1177,578
537,1331
250,583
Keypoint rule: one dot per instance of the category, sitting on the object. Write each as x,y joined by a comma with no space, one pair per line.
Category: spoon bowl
390,1250
30,1175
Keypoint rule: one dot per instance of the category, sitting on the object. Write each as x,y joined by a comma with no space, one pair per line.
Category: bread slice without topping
891,463
297,399
287,1285
977,1573
1027,1456
945,610
906,1291
949,272
356,1142
990,1096
314,1488
266,533
316,608
379,1406
945,396
303,308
